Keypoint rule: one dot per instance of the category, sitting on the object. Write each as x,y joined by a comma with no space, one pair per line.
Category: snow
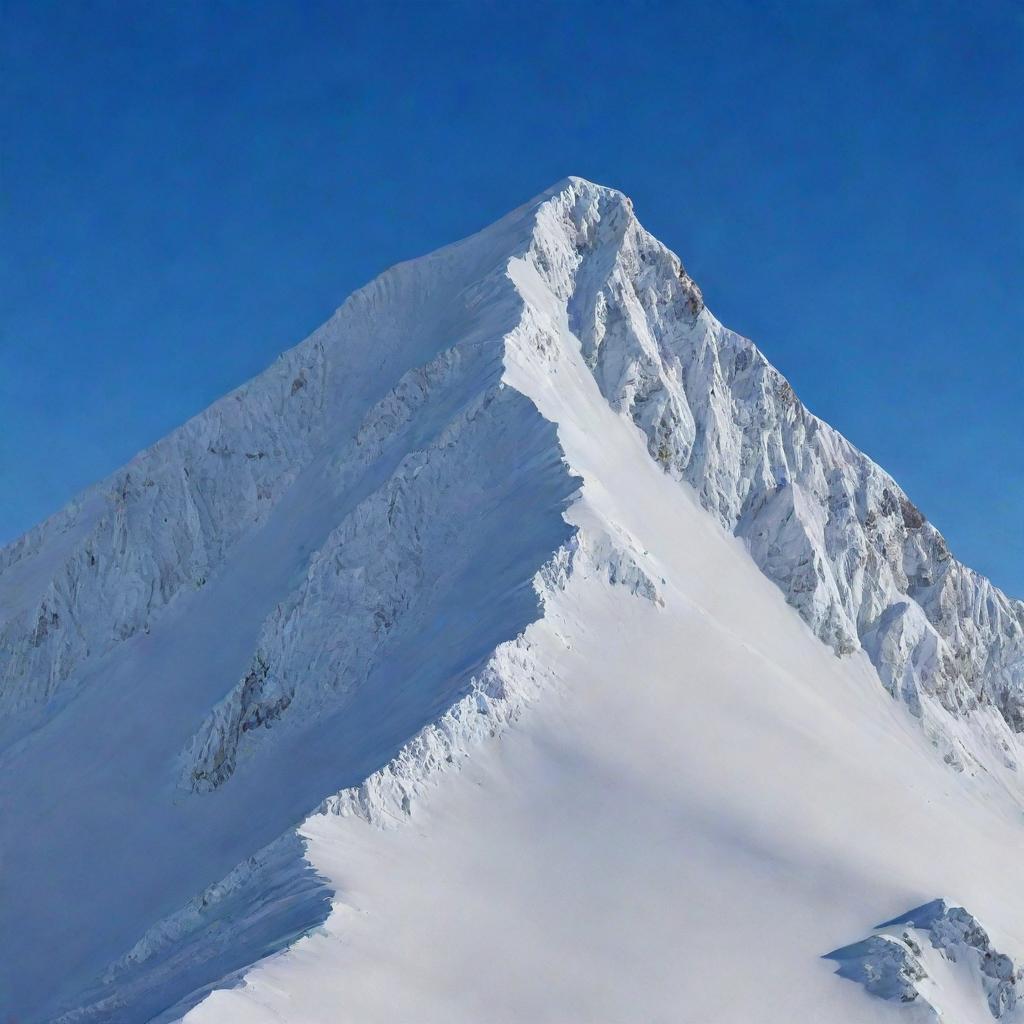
516,575
666,833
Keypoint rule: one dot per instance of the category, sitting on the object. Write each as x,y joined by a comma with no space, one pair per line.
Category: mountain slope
381,548
700,802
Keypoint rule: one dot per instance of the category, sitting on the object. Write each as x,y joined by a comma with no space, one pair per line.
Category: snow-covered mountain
517,647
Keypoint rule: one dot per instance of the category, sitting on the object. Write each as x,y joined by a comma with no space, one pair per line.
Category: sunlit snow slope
522,642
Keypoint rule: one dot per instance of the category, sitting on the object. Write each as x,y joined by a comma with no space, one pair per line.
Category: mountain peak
492,465
579,185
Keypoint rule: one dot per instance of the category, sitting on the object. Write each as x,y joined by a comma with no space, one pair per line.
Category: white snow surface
517,648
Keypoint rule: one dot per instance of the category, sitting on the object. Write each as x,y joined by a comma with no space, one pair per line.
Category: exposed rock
888,965
885,965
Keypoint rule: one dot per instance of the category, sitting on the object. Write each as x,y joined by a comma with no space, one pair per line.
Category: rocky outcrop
886,965
889,964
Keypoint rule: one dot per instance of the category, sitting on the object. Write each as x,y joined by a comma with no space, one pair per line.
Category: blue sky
190,188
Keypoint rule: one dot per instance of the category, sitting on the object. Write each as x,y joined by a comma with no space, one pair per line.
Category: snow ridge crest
844,543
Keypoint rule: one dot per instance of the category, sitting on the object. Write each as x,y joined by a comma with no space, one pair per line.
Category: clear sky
189,188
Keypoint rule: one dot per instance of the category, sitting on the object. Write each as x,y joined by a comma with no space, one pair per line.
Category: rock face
889,965
838,536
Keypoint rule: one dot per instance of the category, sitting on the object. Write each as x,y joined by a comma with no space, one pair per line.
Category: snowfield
517,648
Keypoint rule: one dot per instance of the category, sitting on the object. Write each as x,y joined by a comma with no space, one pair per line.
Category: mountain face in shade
522,485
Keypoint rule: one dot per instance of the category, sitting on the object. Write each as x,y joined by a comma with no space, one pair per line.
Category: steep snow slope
700,802
265,607
701,805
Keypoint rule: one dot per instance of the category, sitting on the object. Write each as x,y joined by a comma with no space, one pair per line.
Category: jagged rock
889,966
886,966
847,547
958,934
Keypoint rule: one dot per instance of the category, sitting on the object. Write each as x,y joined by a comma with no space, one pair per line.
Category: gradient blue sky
190,188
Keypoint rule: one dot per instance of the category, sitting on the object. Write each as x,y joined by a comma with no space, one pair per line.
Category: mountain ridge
689,432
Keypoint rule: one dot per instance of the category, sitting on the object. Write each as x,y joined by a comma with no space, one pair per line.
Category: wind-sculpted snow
497,696
844,543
